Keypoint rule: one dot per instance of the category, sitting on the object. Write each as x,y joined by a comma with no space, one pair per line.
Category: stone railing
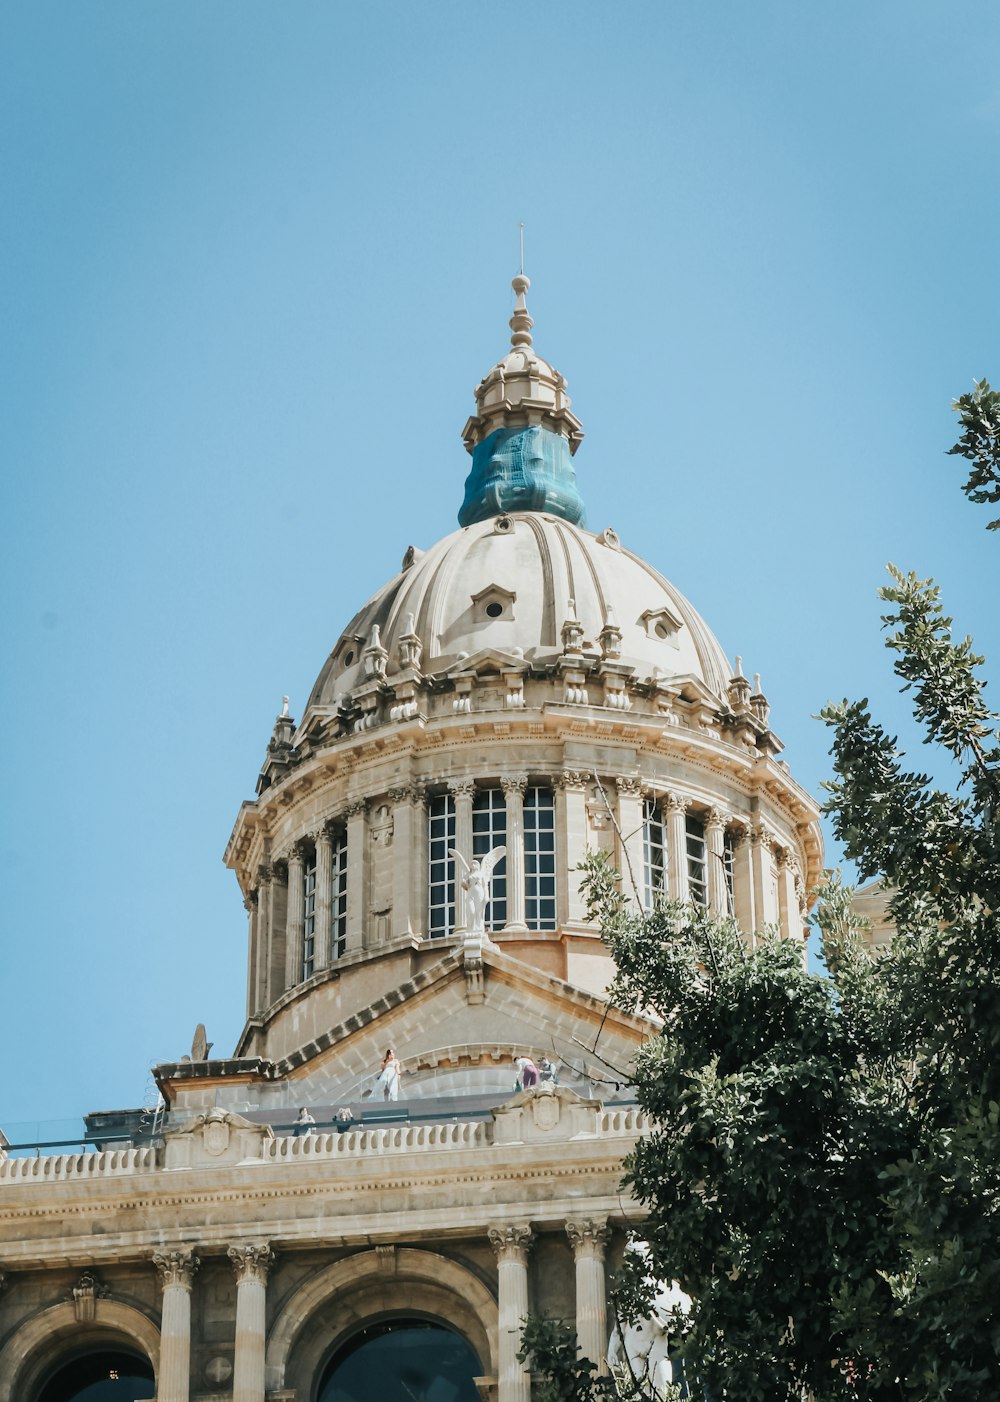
105,1163
387,1139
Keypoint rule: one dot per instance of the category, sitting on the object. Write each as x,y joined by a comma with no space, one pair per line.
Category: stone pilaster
264,876
405,920
789,916
630,857
511,1246
462,791
589,1238
176,1270
743,899
296,916
571,845
761,846
513,786
715,856
253,934
277,918
251,1264
324,891
674,814
357,874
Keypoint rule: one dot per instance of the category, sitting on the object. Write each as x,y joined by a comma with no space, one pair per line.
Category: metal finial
521,322
522,248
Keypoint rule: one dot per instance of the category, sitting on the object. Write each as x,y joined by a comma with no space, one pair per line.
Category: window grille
697,860
489,830
309,922
338,897
539,859
654,852
440,867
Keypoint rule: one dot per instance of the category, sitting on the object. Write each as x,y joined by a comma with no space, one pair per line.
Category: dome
528,588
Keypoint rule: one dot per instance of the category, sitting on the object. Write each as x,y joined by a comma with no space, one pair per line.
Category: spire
523,433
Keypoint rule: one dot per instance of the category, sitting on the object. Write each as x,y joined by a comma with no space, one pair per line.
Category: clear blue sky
254,259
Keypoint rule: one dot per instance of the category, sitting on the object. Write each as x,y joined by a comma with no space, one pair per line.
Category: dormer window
493,603
661,624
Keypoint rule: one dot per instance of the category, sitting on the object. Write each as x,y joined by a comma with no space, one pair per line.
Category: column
324,887
674,812
296,917
789,916
511,1246
630,857
251,1264
403,834
746,911
462,791
513,786
176,1270
589,1238
357,870
277,926
571,845
253,988
715,855
765,907
263,934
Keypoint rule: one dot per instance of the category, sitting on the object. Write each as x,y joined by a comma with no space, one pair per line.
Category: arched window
397,1360
110,1375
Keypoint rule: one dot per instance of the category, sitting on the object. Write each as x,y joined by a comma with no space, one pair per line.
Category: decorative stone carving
461,788
628,785
572,631
218,1370
610,637
513,783
511,1243
215,1137
410,647
675,803
739,689
86,1292
252,1262
715,818
476,884
573,779
355,806
376,659
758,702
386,1256
588,1234
759,836
176,1267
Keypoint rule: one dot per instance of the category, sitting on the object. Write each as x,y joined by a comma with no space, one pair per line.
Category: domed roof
510,586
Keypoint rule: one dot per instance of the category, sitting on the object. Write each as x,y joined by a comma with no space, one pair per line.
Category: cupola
523,434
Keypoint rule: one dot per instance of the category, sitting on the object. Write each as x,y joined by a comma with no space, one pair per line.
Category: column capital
513,783
759,836
299,850
252,1262
573,779
588,1235
356,806
511,1243
406,793
264,873
716,818
629,785
461,788
176,1267
675,803
250,900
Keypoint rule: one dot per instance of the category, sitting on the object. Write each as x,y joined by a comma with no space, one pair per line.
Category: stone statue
200,1045
643,1349
476,883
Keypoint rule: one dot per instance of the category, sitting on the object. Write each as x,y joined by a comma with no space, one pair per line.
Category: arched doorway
105,1375
404,1359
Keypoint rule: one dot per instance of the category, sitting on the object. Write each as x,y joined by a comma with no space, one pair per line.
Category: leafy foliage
980,443
823,1175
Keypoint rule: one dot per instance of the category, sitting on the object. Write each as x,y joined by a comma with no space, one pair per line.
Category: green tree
823,1174
980,443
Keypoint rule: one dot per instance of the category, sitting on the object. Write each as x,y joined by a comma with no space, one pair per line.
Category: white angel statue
476,883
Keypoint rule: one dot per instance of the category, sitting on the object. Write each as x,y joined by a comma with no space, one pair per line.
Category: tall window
539,859
727,868
338,897
489,830
440,867
697,860
309,922
654,852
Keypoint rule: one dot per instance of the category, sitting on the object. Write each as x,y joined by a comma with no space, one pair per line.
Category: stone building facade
524,684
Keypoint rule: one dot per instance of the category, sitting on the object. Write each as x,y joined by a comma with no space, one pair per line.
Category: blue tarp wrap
521,469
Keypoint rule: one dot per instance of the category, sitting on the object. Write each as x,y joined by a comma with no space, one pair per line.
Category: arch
345,1294
33,1348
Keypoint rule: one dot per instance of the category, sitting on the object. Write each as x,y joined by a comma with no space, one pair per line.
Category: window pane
654,852
697,861
338,897
309,924
539,859
440,867
489,830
